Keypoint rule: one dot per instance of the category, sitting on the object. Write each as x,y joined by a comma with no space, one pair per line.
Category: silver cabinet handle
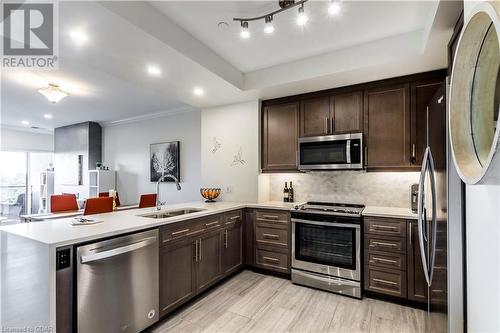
332,125
211,223
386,227
411,227
179,232
270,236
270,217
373,244
270,259
413,154
196,251
385,282
326,125
225,239
234,217
384,260
117,251
199,249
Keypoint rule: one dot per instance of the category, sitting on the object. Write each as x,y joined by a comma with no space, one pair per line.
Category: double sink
172,213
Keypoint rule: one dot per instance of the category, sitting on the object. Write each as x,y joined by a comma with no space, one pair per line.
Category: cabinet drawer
234,217
385,281
272,260
272,217
271,236
386,259
189,228
385,226
385,243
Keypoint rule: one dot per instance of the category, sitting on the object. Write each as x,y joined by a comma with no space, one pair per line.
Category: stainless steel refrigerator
440,229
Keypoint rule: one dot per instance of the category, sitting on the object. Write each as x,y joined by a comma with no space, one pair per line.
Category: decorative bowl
210,194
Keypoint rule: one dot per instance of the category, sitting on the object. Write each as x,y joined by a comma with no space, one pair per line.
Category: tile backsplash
369,188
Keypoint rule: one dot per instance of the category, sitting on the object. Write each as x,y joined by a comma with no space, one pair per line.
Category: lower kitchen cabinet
232,250
177,274
417,286
209,268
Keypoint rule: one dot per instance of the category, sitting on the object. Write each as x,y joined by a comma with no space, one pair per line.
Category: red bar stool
147,200
98,206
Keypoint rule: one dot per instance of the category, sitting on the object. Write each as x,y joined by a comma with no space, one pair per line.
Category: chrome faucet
158,202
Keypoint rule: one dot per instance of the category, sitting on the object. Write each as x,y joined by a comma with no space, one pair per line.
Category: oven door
331,152
327,247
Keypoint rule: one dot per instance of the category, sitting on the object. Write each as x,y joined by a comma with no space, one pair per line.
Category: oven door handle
331,224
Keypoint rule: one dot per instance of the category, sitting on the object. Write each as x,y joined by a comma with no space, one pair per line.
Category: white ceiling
107,78
359,22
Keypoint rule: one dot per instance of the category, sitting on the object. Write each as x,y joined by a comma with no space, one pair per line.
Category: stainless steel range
326,247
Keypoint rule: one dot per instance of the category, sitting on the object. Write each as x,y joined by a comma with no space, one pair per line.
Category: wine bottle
290,193
285,193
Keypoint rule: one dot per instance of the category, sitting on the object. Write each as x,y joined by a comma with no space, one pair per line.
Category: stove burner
330,208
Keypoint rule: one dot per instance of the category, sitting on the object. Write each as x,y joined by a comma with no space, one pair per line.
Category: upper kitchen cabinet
347,112
315,118
279,137
387,127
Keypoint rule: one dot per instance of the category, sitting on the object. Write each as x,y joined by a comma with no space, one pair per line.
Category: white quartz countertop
60,232
394,212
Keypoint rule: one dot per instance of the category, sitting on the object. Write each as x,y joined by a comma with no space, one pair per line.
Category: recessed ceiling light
198,92
154,70
334,7
79,36
25,122
245,33
302,17
47,116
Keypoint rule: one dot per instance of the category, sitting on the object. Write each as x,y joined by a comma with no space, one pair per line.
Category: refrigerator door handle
432,253
421,219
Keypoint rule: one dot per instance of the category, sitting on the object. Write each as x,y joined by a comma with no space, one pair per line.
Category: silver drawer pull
384,227
270,259
271,217
384,260
270,236
374,244
211,223
234,217
385,282
179,232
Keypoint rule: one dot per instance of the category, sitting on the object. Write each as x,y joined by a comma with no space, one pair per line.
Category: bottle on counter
285,193
290,193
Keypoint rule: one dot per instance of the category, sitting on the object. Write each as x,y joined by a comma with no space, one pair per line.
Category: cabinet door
249,236
387,128
279,137
209,268
232,258
422,95
417,286
315,117
177,277
347,112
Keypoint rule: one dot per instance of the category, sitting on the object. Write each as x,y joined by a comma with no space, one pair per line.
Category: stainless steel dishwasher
117,284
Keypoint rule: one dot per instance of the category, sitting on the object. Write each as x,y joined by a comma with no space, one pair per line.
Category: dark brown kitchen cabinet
249,236
315,117
232,251
279,137
177,274
347,112
417,286
387,127
421,95
209,268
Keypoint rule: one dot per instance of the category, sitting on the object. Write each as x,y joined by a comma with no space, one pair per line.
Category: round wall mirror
474,100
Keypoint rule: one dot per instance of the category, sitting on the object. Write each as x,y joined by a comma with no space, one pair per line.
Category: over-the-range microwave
331,152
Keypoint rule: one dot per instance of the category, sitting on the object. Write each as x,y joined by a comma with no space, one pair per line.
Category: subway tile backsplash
370,188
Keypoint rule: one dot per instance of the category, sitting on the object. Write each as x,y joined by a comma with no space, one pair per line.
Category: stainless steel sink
172,213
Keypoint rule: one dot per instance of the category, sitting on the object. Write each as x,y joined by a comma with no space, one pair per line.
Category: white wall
236,129
20,140
483,249
126,150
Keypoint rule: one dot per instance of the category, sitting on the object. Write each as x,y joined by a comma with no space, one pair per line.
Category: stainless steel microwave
331,152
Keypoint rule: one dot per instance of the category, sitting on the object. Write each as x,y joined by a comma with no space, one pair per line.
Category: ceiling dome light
245,33
302,17
154,70
334,7
25,122
198,92
47,116
79,36
269,27
53,93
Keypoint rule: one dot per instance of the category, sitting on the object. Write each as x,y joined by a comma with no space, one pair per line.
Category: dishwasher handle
117,251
